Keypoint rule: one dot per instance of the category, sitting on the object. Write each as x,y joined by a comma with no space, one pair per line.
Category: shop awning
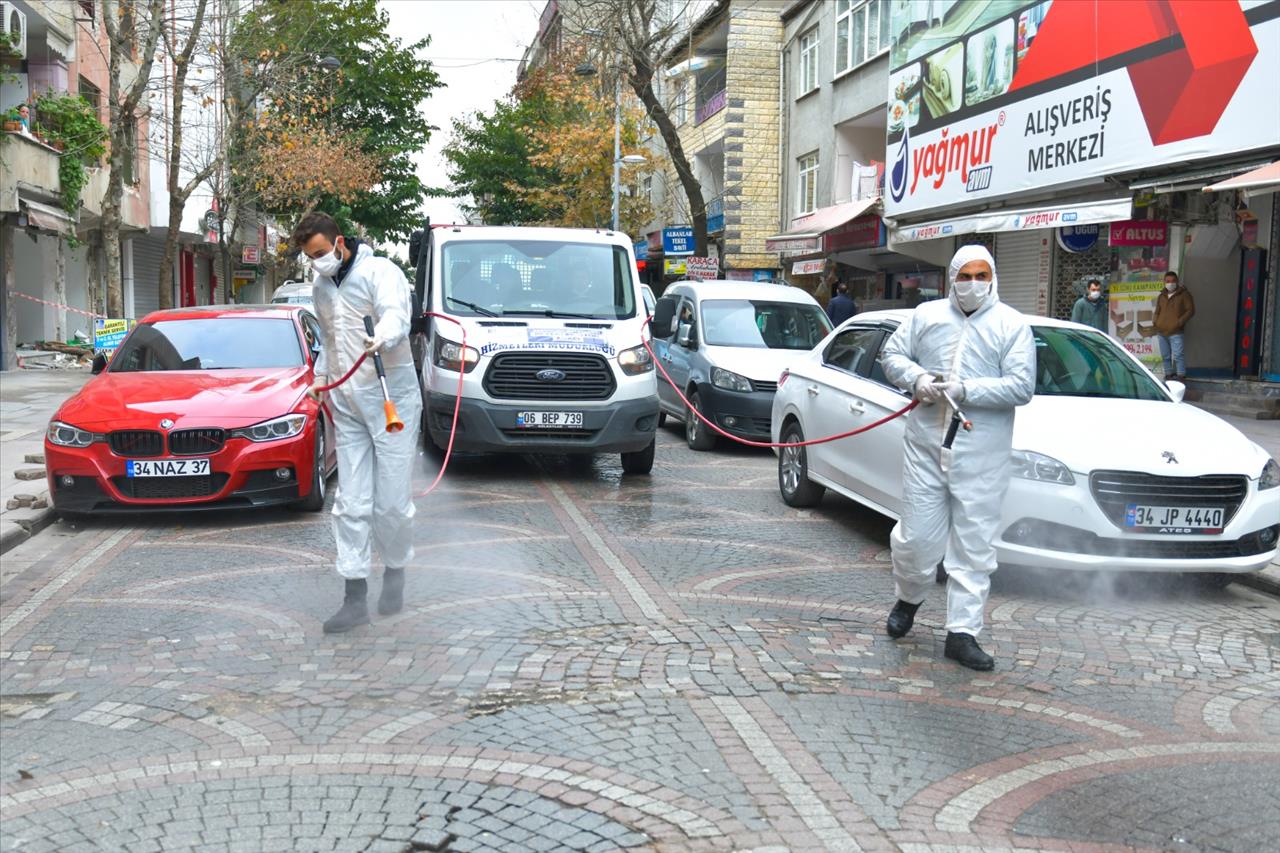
1029,219
1258,182
48,218
805,234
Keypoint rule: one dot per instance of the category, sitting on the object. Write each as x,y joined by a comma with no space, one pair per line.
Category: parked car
554,360
725,344
1111,469
293,293
198,408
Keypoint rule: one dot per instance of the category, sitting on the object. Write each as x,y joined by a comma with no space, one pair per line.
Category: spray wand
958,420
394,424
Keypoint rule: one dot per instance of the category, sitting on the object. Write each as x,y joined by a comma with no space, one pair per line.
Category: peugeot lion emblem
550,375
166,424
1169,457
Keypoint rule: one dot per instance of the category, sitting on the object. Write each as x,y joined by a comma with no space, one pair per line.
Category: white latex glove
373,344
314,391
927,390
955,390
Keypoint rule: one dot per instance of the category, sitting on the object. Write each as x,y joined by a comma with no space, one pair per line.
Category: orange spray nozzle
394,424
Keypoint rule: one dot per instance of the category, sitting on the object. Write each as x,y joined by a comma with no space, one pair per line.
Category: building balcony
27,166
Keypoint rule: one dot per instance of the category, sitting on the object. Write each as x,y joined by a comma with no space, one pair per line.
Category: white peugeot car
1111,469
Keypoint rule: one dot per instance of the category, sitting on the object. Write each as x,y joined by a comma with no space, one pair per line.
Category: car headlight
1037,466
66,435
635,361
272,430
455,357
1270,475
729,380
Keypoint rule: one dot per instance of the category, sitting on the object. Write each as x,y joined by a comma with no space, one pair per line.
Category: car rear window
216,343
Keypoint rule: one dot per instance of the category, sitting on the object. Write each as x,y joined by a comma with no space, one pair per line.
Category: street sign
211,220
678,240
702,269
108,333
250,255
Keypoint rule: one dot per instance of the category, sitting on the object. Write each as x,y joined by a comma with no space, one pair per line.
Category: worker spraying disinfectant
975,351
363,304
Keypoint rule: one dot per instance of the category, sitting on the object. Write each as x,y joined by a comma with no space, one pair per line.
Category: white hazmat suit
952,499
375,467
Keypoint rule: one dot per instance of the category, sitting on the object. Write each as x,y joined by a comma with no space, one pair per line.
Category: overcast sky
469,41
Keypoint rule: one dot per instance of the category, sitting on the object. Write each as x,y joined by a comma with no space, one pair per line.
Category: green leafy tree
489,161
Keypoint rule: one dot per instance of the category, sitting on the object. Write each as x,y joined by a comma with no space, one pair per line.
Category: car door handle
813,390
857,407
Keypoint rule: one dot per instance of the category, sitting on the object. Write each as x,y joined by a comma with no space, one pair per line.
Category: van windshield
762,323
537,278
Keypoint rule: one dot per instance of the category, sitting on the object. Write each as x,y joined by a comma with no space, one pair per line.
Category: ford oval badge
550,375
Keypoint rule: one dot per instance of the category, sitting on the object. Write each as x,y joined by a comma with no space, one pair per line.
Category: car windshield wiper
474,307
547,312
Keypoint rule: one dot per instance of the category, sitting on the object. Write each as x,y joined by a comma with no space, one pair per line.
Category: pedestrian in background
1091,309
1174,307
374,503
975,350
841,307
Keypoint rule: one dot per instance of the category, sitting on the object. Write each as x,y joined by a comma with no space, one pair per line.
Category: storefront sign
250,255
703,269
866,232
109,333
794,244
1139,232
673,266
1016,220
1004,100
677,241
811,267
642,250
1078,238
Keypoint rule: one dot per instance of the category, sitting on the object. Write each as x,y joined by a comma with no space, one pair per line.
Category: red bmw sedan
199,408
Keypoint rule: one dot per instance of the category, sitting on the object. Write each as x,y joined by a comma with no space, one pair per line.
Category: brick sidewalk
592,662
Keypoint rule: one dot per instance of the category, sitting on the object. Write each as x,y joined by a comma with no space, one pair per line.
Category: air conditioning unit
13,24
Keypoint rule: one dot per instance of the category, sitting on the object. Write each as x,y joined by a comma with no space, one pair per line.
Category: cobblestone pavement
677,662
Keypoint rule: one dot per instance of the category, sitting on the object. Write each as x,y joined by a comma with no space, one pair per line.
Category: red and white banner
1138,232
1036,95
702,269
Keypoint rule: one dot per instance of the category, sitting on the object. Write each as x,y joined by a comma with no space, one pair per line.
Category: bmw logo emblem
550,375
166,424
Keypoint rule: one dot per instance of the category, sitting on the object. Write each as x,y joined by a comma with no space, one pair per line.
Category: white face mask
1170,286
327,264
1095,295
970,294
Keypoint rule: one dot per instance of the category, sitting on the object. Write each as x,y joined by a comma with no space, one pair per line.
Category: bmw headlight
272,430
66,435
1037,466
454,356
1270,475
635,361
729,381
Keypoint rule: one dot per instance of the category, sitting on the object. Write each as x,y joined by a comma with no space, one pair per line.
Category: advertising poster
1137,277
993,97
109,333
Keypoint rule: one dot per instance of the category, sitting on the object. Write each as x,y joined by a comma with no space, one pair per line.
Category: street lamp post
586,69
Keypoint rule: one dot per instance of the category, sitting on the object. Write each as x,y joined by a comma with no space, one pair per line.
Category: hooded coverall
375,467
952,499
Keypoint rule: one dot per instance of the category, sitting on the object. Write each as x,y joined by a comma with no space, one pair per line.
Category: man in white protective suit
979,352
374,502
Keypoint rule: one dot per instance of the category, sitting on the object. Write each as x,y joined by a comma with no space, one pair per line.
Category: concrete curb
13,533
1267,580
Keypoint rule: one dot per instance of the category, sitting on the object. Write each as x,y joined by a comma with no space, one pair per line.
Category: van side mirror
99,363
685,336
663,315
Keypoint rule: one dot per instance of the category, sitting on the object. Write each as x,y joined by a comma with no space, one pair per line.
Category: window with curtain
862,32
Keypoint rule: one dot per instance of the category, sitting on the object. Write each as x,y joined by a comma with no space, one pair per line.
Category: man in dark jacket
1174,307
841,307
1091,309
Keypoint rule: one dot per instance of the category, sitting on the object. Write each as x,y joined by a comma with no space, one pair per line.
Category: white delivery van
553,361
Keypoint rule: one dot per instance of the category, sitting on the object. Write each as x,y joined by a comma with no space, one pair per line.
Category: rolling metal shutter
148,252
1018,268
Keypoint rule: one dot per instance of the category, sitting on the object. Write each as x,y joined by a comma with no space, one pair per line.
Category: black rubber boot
354,611
901,618
392,597
964,650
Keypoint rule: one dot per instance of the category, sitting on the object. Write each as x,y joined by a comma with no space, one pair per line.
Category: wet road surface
589,662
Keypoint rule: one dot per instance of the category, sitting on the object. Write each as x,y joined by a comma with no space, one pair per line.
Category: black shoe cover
964,650
354,611
392,597
901,618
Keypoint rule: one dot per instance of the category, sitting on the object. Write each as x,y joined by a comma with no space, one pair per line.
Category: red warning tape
57,305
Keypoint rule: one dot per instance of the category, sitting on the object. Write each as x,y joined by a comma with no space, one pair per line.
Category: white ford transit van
554,361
